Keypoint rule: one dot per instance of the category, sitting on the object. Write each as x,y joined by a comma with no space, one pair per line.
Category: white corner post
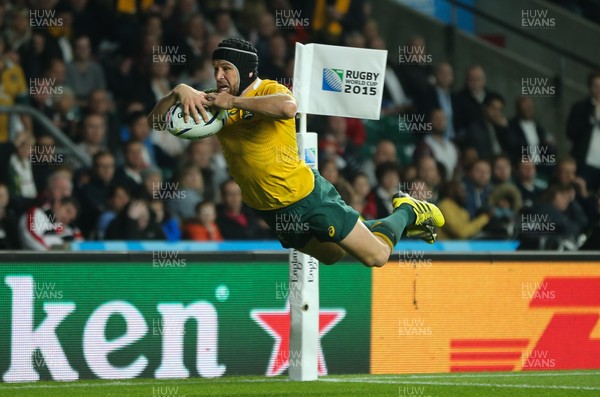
304,288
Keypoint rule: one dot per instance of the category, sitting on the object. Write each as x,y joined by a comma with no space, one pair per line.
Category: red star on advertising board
277,324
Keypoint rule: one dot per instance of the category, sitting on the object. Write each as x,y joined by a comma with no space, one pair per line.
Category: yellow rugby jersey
12,85
262,154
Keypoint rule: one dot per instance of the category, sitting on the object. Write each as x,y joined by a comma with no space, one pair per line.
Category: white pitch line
407,379
188,381
431,383
527,374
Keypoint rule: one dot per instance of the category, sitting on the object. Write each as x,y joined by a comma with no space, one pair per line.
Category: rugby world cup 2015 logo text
350,81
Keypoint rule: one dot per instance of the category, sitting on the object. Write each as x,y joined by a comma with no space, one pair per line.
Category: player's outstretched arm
192,102
277,106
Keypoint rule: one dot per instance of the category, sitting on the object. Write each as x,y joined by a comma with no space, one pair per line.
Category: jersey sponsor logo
331,231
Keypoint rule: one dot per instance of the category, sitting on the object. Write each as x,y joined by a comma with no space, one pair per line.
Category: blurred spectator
235,220
84,74
566,174
118,198
355,131
178,12
396,99
8,222
87,19
224,25
265,29
46,157
440,96
93,135
121,77
93,196
418,74
212,42
528,136
140,130
489,135
201,154
362,188
529,187
63,35
459,223
274,66
19,31
469,101
355,39
437,145
583,129
13,90
379,200
188,189
152,88
49,226
42,94
100,103
192,45
48,90
431,172
58,186
504,203
37,52
130,173
21,178
331,19
501,170
203,227
130,107
549,225
168,223
370,30
593,237
57,71
154,188
153,22
418,189
65,114
135,222
385,151
478,185
329,170
199,75
466,159
335,145
409,173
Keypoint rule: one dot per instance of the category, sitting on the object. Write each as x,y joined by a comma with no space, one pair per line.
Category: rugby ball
177,126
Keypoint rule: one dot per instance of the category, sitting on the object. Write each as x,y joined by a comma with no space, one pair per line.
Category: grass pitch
513,384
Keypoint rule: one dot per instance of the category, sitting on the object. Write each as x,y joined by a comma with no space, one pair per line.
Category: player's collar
254,86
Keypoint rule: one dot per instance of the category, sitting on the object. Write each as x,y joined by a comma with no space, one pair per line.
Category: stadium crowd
96,69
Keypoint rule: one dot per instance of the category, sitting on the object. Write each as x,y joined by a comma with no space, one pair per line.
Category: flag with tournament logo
339,81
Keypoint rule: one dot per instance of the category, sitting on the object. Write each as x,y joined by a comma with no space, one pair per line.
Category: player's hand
221,100
192,102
